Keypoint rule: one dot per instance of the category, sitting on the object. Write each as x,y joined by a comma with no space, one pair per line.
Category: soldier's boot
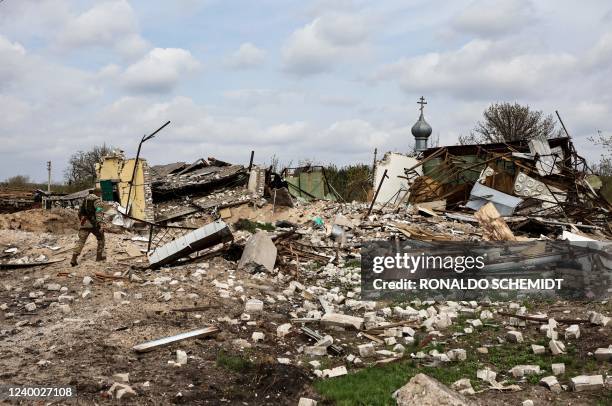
73,261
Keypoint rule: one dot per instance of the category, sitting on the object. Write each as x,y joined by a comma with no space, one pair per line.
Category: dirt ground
83,341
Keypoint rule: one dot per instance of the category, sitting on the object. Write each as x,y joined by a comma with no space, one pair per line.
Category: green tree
81,168
507,122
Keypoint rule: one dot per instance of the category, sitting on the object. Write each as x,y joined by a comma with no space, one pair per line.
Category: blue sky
327,81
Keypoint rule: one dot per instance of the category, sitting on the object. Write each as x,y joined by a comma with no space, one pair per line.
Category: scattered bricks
538,349
181,357
551,383
30,307
86,294
486,375
315,351
399,348
522,370
241,343
482,350
325,341
65,299
118,296
558,369
253,305
123,378
409,340
486,315
392,332
443,321
596,318
457,354
283,330
556,347
407,331
258,336
527,402
54,286
514,337
572,332
315,364
586,382
64,308
334,372
442,357
390,341
603,354
87,280
342,320
366,350
463,386
307,402
120,391
475,323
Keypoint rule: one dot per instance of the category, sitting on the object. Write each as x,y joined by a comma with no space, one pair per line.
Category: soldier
91,216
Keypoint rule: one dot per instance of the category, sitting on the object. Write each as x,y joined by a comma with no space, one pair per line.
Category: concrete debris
603,354
599,319
586,382
556,347
486,374
259,253
551,383
366,350
342,320
538,349
527,402
334,372
558,369
307,402
426,391
572,332
122,377
257,336
253,306
283,330
181,357
121,391
514,336
521,370
463,386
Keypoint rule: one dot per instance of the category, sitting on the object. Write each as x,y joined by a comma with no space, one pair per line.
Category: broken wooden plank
493,226
29,264
162,342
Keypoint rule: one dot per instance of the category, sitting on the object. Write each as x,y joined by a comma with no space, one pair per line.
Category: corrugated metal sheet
204,237
481,195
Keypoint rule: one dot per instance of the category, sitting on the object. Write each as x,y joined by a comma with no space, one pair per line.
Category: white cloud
489,18
325,42
481,69
247,56
160,70
107,24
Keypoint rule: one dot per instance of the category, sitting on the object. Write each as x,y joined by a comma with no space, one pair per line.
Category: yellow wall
116,169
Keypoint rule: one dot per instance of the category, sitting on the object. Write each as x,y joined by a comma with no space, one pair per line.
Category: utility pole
49,177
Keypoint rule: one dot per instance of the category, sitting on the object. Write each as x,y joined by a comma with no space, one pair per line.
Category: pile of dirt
57,221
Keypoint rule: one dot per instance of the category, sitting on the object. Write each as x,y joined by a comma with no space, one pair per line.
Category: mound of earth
57,221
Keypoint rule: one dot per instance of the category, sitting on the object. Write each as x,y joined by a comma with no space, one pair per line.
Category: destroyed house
538,177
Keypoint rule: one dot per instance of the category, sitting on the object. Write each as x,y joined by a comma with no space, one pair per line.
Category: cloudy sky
324,80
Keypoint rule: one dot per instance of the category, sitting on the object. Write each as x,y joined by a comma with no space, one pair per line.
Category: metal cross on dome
422,102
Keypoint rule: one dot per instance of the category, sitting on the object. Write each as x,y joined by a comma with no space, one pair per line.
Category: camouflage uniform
91,216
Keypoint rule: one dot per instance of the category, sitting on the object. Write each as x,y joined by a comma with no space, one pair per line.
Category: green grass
233,362
352,263
252,226
375,385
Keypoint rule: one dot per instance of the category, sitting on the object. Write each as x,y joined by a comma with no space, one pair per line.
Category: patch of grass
234,363
375,385
252,226
353,263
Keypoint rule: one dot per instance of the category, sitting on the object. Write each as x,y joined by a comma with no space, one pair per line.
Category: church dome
421,129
